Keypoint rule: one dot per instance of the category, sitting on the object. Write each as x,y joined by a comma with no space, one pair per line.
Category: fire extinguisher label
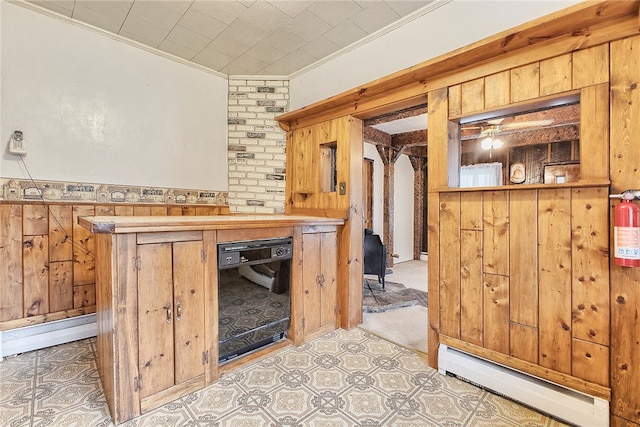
626,242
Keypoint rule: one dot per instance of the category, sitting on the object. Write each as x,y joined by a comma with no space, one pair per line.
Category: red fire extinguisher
626,232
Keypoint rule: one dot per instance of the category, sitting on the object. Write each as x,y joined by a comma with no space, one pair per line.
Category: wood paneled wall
521,273
308,193
590,49
47,259
625,282
309,162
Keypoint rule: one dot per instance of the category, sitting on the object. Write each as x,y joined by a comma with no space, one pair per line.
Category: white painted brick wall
257,158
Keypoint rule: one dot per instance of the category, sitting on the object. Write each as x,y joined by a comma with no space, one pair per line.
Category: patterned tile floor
345,378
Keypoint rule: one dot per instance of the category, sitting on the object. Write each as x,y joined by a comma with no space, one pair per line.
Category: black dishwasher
254,299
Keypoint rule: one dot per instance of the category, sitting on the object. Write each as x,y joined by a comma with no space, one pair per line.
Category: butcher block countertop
142,224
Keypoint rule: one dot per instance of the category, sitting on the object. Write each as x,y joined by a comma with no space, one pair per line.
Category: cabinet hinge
137,383
303,323
205,357
136,263
203,255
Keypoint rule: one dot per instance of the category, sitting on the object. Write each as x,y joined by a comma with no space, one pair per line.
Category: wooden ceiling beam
530,137
412,139
376,137
397,115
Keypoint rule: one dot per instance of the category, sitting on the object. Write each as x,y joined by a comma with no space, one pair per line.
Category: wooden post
418,164
386,154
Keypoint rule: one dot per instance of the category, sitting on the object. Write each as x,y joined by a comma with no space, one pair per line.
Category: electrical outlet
17,144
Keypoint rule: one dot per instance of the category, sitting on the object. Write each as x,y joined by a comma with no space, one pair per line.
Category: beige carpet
405,326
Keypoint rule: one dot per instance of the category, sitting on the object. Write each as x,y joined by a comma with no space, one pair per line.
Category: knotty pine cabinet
157,298
157,317
317,287
171,352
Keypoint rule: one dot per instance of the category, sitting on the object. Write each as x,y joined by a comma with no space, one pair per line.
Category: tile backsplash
57,191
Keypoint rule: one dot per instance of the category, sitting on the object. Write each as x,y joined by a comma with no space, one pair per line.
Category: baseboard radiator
34,337
560,402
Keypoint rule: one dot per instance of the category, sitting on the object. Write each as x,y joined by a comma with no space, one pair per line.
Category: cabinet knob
320,279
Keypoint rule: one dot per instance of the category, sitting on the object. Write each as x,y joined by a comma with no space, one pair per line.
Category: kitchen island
157,298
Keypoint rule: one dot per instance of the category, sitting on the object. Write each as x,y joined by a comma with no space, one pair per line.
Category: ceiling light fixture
491,142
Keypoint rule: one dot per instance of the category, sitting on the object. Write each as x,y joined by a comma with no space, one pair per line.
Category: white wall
94,109
403,200
451,26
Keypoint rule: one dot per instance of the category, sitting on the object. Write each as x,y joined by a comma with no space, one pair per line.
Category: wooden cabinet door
311,268
188,300
171,314
155,318
319,272
328,271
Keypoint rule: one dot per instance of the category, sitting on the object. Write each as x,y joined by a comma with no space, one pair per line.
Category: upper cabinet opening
533,144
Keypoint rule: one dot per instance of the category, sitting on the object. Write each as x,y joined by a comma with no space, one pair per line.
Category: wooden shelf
578,184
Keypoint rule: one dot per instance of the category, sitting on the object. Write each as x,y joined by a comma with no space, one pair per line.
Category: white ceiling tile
335,12
188,38
378,15
228,45
299,59
147,30
291,7
247,34
161,13
240,36
107,15
406,7
177,49
107,7
278,69
63,7
202,23
244,65
345,34
105,22
265,16
320,47
265,53
138,38
212,58
308,26
284,40
225,11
